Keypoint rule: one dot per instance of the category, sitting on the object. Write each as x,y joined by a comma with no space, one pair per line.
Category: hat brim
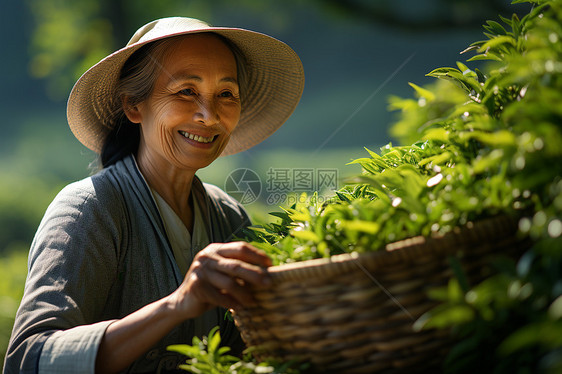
275,82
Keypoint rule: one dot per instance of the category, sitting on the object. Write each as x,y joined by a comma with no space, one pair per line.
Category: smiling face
195,105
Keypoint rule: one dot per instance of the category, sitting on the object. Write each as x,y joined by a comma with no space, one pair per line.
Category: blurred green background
355,54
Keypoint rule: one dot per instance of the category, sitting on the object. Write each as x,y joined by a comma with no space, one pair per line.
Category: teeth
197,138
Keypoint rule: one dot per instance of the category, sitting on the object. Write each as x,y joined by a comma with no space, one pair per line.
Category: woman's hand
222,274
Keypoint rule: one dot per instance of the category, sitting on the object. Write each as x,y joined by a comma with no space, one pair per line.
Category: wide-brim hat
274,83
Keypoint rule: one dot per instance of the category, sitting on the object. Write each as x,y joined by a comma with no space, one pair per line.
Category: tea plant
484,141
455,173
512,322
206,356
486,145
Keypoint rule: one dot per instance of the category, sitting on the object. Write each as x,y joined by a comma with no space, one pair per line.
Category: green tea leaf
444,316
214,340
485,56
422,92
305,235
496,28
361,226
500,138
497,41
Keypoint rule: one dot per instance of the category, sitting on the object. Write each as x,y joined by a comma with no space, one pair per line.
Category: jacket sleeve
72,264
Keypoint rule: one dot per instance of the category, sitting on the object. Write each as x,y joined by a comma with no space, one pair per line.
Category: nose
206,113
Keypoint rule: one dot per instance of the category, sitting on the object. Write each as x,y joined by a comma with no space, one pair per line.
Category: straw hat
275,81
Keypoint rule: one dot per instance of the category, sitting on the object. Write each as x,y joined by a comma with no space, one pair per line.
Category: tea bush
483,144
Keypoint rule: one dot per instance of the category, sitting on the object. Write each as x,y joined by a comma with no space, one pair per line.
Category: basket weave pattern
354,313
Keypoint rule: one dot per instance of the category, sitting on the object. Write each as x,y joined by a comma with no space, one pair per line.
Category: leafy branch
206,356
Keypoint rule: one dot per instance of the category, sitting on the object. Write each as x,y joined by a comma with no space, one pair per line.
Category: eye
226,94
187,92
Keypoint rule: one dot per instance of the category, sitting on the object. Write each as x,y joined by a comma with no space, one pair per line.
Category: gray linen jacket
101,253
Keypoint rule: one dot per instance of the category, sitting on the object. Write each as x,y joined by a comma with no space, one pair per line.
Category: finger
235,288
244,271
243,251
207,262
214,296
211,281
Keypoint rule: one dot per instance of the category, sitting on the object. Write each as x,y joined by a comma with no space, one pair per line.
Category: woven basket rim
404,250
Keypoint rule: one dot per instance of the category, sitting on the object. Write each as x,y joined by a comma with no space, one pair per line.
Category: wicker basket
354,313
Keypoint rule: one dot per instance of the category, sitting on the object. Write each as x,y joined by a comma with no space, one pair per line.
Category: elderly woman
139,256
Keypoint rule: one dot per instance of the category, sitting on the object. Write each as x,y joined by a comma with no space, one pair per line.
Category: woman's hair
136,82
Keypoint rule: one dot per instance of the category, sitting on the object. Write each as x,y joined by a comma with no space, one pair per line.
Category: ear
132,112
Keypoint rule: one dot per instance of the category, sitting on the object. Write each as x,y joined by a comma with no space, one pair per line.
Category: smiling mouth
197,138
